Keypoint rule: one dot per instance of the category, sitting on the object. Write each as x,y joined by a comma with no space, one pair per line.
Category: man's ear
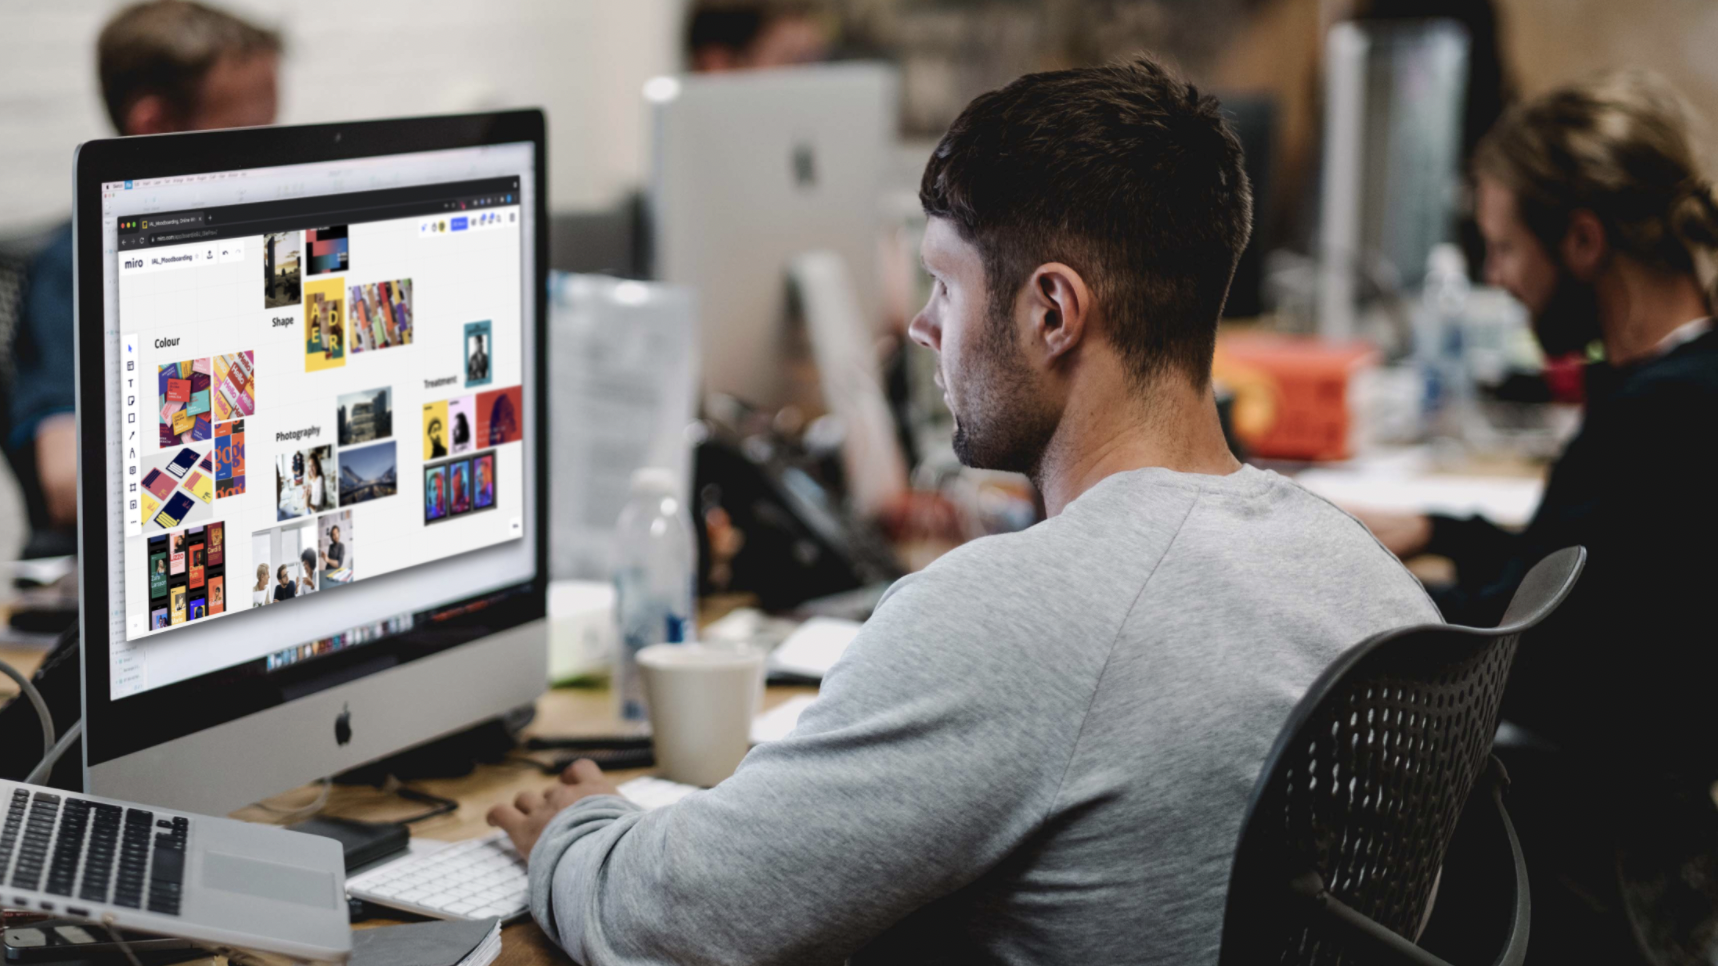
1585,247
1059,308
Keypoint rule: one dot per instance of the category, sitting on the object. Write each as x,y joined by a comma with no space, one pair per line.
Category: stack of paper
813,649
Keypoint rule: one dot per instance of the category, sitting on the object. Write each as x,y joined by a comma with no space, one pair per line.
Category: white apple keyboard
477,878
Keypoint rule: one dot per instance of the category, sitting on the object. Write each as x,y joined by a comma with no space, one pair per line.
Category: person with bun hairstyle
1598,218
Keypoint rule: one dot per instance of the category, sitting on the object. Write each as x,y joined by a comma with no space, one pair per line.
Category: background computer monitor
253,305
750,171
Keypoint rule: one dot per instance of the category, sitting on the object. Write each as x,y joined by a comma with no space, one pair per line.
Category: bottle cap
1446,259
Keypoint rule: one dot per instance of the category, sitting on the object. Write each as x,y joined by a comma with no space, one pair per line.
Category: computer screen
317,376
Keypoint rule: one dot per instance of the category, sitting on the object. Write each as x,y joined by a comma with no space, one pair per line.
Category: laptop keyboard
72,847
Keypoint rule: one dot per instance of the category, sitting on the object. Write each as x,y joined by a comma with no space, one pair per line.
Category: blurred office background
587,62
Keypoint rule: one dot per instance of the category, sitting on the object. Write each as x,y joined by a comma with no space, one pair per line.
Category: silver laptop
214,881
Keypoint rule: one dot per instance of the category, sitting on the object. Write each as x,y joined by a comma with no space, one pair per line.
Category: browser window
315,391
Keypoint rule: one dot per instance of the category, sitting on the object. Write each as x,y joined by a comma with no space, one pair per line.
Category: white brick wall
583,61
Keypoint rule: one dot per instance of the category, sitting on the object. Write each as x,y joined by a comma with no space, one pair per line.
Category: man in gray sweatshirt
1039,749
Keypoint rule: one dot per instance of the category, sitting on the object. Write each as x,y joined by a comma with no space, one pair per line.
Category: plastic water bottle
1438,342
655,559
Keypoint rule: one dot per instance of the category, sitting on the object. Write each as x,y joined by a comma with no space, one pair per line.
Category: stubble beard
1004,424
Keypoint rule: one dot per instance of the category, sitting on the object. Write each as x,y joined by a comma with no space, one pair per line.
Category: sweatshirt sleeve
937,745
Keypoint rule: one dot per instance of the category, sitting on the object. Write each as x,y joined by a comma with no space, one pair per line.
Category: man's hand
1403,534
530,813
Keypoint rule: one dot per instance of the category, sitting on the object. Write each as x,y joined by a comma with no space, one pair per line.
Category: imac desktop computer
751,171
312,448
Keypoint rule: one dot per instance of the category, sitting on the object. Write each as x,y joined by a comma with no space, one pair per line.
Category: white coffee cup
702,699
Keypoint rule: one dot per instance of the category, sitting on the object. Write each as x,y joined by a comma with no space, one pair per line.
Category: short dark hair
1128,174
166,47
737,24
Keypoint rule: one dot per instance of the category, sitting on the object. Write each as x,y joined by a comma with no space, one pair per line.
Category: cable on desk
45,767
118,940
443,806
588,743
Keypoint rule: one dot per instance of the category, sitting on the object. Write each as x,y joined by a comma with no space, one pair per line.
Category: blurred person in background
166,65
726,36
1597,217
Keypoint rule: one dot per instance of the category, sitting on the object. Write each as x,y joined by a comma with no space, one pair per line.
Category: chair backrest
1369,775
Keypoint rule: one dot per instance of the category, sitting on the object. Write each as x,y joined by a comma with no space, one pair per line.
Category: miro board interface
318,381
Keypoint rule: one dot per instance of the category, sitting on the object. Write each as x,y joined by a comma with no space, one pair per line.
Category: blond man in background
1598,217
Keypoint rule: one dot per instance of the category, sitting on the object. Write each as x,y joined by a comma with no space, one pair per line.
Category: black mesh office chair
1359,800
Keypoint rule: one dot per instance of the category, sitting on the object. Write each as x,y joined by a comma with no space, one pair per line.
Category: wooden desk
561,712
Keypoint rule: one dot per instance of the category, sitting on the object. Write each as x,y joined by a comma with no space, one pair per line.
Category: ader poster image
477,352
217,595
324,325
183,395
216,538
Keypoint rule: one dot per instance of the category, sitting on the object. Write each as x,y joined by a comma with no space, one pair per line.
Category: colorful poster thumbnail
500,416
435,430
458,487
187,575
381,314
234,393
326,250
230,458
184,400
176,487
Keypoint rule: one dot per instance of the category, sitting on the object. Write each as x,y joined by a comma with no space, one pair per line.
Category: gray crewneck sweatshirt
1038,750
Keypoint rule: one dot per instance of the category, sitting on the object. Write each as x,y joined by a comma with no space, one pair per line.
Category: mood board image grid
304,531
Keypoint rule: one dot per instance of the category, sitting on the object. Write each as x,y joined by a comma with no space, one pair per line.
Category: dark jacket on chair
1629,663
